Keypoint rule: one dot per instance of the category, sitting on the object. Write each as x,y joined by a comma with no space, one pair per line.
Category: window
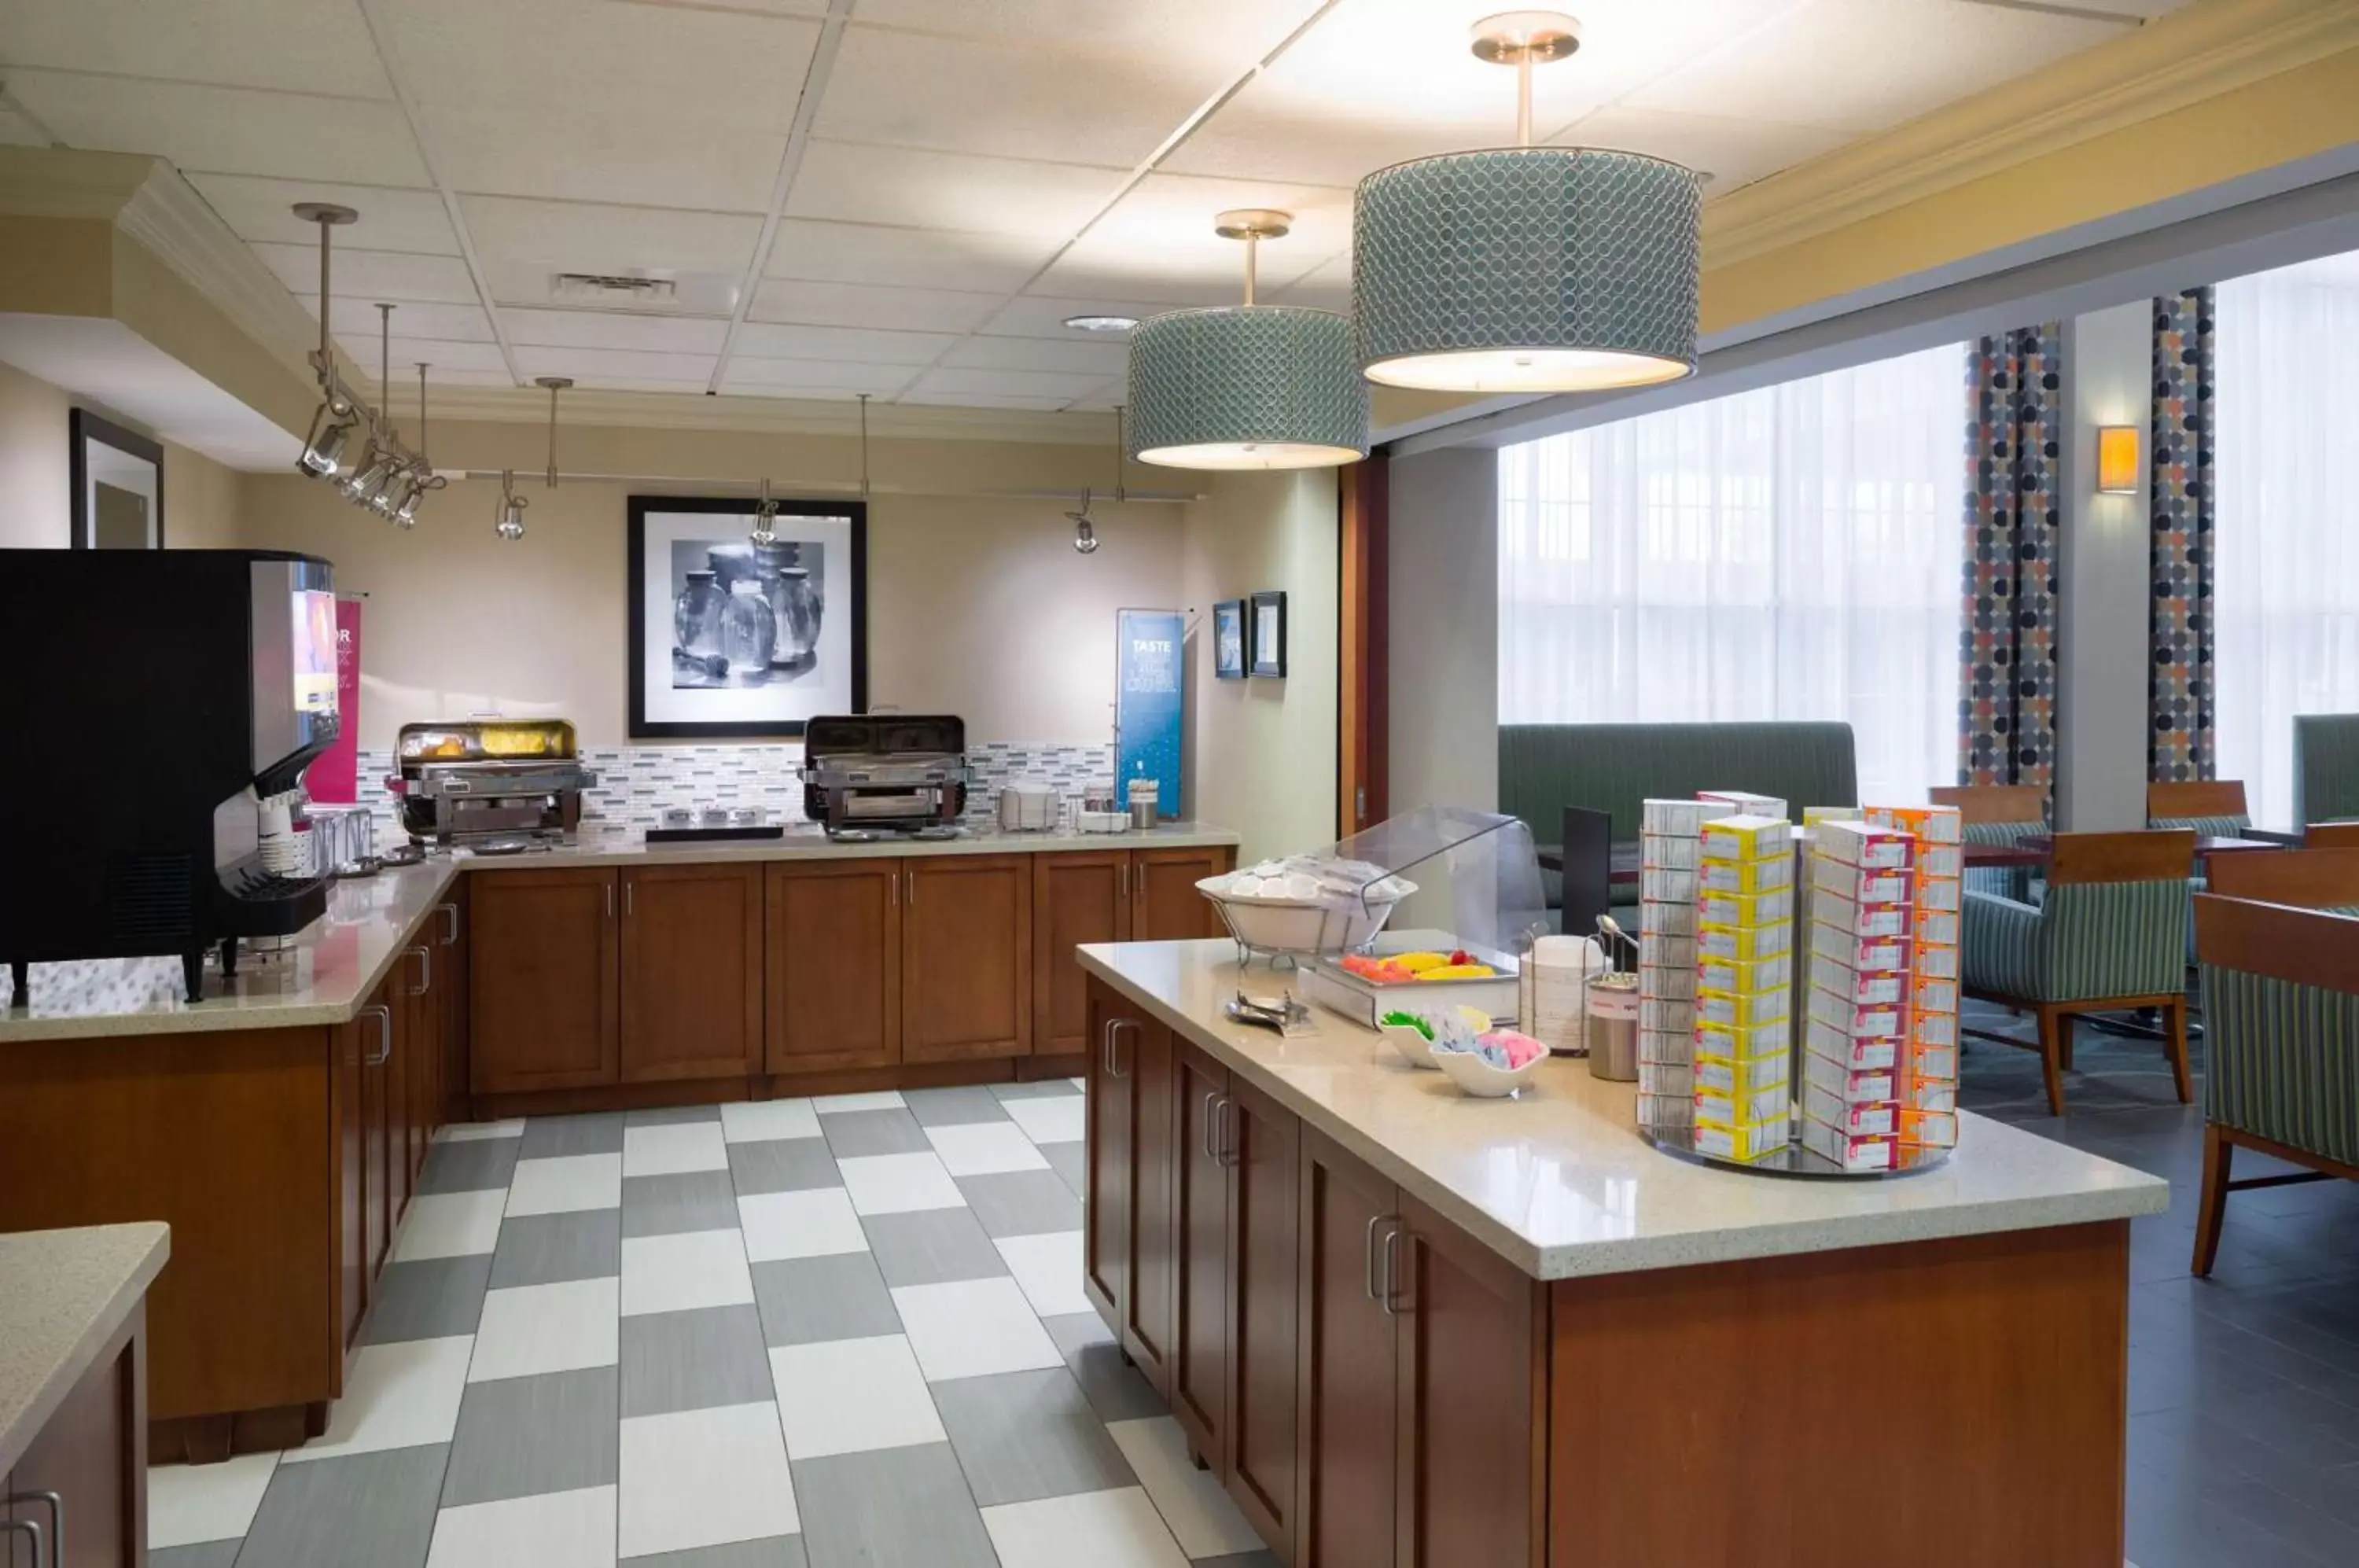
2285,534
1794,553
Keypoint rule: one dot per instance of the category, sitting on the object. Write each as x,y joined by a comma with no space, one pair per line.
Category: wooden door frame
1363,687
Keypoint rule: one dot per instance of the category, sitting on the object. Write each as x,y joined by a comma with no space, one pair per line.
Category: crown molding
2181,58
772,416
167,216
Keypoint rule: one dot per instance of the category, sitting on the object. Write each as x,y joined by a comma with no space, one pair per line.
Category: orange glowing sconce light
2118,460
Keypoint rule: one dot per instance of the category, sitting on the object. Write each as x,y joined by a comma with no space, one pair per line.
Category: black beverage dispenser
149,700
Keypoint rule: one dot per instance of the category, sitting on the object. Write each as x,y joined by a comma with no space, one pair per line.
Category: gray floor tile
856,1133
671,1116
1022,1435
953,1107
370,1510
783,1165
433,1298
1113,1386
1023,1203
809,1300
1070,1161
693,1361
212,1554
1043,1089
893,1507
688,1200
778,1551
931,1246
1239,1560
473,1165
544,1249
546,1137
521,1436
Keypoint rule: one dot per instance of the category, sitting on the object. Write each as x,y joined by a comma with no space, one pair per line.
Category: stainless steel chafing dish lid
484,740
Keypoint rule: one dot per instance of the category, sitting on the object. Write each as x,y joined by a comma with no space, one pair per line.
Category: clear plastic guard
1477,875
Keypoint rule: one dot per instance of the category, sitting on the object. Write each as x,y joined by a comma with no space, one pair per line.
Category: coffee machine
158,707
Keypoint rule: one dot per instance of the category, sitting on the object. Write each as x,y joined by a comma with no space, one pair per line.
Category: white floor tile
567,1183
1191,1500
191,1503
678,1273
1080,1084
1087,1529
761,1121
848,1395
815,1222
548,1328
397,1396
984,1149
971,1328
881,1100
1056,1118
552,1529
898,1183
467,1132
450,1225
704,1478
671,1147
1049,1268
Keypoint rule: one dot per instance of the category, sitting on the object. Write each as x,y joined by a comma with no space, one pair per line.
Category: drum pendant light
1246,386
1526,268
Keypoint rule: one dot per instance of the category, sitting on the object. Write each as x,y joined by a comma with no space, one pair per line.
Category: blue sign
1150,662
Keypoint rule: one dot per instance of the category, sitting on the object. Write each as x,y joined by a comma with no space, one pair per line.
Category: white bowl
1409,1044
1480,1079
1301,925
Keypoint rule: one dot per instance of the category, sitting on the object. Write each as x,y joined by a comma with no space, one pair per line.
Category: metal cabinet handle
610,897
630,896
912,875
1391,1236
1368,1256
1205,1139
1113,1056
1141,885
32,1532
450,924
57,1525
425,970
1227,1112
384,1015
1125,869
893,892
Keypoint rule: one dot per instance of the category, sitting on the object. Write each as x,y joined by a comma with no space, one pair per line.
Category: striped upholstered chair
2110,936
2281,1015
2215,810
1997,814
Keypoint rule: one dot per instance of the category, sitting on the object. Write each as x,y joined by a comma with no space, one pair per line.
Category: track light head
323,453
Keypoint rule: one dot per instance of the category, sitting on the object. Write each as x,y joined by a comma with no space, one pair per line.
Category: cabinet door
833,941
1199,1224
1146,1055
542,979
89,1455
1263,1149
421,1039
400,1173
1081,896
1347,1415
691,971
1165,904
351,1151
1107,1153
451,924
377,1045
1472,1421
966,957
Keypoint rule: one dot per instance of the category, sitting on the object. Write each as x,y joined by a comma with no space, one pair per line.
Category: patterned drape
2006,707
2182,503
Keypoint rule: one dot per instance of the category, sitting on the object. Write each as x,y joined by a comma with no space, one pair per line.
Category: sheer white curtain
1794,553
2286,535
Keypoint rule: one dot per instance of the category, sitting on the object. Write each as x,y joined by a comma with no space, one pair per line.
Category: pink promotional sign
333,777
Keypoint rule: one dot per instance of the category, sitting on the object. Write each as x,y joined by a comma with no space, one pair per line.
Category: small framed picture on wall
1232,640
1268,646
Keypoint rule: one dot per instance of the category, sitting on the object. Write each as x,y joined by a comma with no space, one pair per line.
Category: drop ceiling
907,198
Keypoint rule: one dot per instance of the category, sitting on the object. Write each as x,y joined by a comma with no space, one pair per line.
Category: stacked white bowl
1552,991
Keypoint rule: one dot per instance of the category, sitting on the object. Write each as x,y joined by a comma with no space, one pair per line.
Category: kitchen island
1404,1326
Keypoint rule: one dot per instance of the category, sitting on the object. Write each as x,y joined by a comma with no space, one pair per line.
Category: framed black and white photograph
1232,640
1268,646
118,485
732,639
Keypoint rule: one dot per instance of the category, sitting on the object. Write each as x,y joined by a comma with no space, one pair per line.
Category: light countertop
1560,1183
807,841
63,1295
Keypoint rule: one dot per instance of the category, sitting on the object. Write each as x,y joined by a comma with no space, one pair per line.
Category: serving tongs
1283,1015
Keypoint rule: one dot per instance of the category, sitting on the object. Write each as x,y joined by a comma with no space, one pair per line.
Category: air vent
148,900
614,288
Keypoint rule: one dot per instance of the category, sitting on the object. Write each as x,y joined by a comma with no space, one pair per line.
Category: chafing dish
870,775
483,778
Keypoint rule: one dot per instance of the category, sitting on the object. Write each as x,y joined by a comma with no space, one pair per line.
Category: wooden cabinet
449,937
691,971
1199,1224
350,1147
1079,897
1107,1158
833,955
1127,1265
380,1201
1349,1377
90,1458
1165,904
417,986
1260,1462
966,957
542,983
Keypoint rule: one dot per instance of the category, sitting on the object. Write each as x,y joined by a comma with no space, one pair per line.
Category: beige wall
35,478
1442,636
1264,750
200,500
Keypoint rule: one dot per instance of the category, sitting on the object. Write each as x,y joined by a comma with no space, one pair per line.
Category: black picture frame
1268,662
84,429
640,507
1226,613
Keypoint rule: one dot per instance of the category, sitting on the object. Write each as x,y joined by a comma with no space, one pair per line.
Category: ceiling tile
524,284
614,329
1327,286
605,365
945,191
815,377
1063,386
1044,315
1104,398
295,46
855,305
906,258
360,350
1238,31
438,324
17,131
767,340
607,383
366,275
1098,355
451,376
1734,152
227,130
1157,242
583,155
258,208
1860,65
576,236
973,400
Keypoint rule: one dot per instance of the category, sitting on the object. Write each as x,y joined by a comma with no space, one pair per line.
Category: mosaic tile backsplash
636,782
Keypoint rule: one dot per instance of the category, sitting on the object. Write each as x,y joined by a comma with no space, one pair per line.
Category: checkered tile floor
843,1331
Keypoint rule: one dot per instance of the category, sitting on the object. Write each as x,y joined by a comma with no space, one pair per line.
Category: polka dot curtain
2006,705
2179,730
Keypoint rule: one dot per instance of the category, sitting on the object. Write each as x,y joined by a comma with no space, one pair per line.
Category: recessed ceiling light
1101,323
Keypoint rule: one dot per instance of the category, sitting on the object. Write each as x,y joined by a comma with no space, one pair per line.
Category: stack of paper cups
1552,996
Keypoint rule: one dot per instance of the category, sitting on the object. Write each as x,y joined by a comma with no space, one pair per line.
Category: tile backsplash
635,782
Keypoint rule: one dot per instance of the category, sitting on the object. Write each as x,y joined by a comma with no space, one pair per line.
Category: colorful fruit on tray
1399,968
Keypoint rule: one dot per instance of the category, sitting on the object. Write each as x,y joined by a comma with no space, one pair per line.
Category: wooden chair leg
2175,1020
2050,1062
2064,1041
2213,1207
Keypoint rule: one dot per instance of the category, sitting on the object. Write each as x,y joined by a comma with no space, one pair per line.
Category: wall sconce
2118,467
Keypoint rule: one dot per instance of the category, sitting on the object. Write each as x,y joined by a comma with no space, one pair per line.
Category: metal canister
1610,1023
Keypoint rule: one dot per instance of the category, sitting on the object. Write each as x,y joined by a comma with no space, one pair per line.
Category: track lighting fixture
554,383
388,478
510,523
1085,533
765,512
